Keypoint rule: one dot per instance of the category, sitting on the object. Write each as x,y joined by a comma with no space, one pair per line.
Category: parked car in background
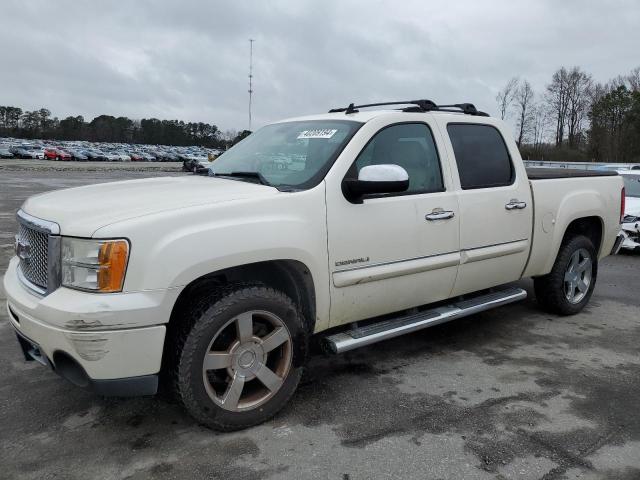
188,163
63,155
112,157
193,162
123,156
5,152
50,153
202,165
631,220
136,157
78,155
20,152
56,154
170,157
35,153
97,155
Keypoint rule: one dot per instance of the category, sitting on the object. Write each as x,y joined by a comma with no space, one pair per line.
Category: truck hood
81,211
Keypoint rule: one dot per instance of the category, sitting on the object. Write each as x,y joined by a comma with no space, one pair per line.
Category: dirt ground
510,393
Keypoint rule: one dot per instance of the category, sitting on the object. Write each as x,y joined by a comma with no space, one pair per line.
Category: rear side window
482,156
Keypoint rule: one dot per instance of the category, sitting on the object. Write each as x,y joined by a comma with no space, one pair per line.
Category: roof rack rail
417,106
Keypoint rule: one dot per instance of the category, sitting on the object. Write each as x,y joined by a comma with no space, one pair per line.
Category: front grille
35,264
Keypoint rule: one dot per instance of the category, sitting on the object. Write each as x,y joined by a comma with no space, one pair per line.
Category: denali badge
352,261
23,249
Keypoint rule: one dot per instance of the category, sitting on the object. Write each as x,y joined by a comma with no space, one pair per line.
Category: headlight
95,265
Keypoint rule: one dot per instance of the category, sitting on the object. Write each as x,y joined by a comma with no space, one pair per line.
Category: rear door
494,197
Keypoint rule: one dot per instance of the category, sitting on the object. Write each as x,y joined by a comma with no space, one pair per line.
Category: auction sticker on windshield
318,133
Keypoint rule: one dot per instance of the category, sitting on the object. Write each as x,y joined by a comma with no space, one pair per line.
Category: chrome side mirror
376,179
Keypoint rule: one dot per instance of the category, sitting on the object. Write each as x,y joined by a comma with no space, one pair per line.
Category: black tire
206,322
550,288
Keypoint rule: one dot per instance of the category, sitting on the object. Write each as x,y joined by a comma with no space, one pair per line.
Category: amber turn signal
112,259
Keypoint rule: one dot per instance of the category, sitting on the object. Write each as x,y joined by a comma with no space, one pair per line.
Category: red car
56,154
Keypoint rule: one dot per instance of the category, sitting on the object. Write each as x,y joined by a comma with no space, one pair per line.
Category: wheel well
291,277
590,227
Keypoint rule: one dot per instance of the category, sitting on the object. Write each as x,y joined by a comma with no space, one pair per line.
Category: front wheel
240,357
568,287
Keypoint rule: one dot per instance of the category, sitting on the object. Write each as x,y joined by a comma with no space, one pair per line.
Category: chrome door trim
381,271
486,252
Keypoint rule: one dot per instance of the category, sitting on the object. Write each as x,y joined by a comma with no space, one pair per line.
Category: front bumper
116,340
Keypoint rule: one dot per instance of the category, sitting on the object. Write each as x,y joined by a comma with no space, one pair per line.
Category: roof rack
417,106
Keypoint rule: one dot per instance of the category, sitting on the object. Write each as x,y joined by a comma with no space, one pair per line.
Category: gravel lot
510,393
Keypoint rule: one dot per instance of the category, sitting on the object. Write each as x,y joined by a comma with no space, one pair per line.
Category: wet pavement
509,393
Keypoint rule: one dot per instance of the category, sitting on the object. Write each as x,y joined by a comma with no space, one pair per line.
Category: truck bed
542,173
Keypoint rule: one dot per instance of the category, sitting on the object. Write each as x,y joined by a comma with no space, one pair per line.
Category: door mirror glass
376,179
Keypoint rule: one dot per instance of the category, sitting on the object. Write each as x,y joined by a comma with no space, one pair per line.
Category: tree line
14,122
575,118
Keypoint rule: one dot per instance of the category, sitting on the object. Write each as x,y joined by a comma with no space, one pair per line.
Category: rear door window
481,155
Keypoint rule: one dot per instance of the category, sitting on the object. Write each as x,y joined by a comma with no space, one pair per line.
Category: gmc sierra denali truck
351,227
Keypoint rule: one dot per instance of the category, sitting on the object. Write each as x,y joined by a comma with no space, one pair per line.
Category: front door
395,251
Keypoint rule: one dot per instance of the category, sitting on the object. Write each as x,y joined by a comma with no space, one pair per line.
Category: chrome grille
34,267
38,245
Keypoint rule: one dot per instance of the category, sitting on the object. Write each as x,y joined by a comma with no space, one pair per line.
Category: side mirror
374,179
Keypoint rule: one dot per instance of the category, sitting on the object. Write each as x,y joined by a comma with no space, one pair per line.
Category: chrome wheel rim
247,361
577,277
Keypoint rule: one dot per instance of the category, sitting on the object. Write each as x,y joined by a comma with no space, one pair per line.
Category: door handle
515,205
439,214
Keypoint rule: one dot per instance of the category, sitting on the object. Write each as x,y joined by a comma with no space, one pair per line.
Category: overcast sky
189,59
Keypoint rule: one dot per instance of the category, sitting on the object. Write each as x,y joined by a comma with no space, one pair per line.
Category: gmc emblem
23,249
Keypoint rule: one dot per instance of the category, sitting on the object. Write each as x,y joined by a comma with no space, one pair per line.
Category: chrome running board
359,337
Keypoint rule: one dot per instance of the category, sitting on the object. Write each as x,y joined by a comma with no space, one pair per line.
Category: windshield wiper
254,175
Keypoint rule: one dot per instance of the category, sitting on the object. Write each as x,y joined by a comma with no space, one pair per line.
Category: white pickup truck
351,227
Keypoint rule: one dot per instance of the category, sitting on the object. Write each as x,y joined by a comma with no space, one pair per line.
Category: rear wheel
239,357
569,285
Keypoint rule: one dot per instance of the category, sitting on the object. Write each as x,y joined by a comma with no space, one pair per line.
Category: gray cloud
189,59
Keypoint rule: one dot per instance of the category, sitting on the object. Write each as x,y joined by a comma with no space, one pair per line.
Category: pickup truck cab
350,227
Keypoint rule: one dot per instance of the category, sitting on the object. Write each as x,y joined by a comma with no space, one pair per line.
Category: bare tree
539,125
558,100
579,86
634,79
506,95
523,100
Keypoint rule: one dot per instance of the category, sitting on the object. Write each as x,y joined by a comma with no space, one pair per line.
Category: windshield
292,154
631,185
